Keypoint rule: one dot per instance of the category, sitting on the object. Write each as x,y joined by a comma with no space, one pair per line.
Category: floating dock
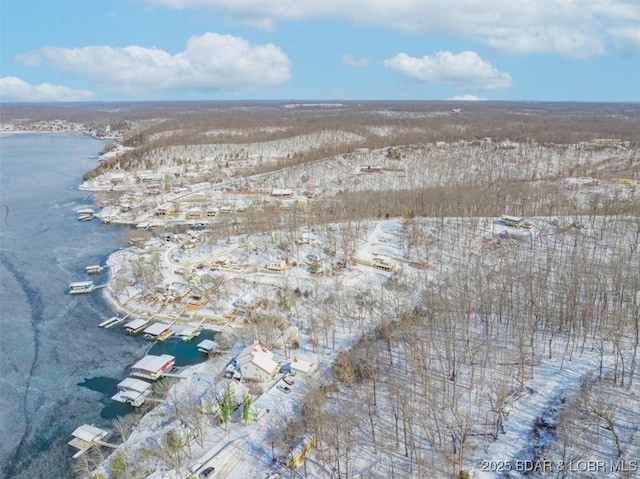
95,269
111,322
82,287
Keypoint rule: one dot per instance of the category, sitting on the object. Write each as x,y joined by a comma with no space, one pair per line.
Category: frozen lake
49,340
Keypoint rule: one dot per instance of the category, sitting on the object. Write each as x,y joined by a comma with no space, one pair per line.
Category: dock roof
153,363
156,329
136,323
89,433
132,384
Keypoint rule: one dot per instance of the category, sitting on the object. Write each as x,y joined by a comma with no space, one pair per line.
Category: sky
329,50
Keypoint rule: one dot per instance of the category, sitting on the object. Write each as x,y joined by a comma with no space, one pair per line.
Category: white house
256,362
303,367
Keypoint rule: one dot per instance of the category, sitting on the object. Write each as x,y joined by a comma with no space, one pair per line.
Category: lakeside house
514,221
256,362
153,367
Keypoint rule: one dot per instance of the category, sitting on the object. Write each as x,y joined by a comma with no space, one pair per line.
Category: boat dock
82,287
136,326
108,323
87,436
111,322
95,268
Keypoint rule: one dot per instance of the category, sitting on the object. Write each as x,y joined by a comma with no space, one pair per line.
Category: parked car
207,473
284,388
289,379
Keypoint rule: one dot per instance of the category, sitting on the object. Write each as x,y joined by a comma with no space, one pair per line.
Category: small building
82,287
383,264
166,209
132,391
194,213
303,367
136,326
158,332
276,266
256,362
281,192
207,346
246,302
514,221
85,437
153,367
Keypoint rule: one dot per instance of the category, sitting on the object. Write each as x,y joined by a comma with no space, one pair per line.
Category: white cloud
627,37
15,89
209,62
573,28
466,70
466,97
352,61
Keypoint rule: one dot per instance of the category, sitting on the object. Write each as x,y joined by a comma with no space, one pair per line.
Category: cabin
132,391
153,367
82,287
207,346
166,209
85,437
194,213
256,362
302,447
513,221
136,326
383,264
276,266
306,368
158,332
246,302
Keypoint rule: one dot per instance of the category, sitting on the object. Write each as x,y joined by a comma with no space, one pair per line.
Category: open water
59,369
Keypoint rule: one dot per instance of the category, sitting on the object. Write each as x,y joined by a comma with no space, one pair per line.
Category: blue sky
513,50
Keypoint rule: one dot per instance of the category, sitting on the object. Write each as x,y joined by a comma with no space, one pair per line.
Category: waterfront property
136,326
82,287
153,367
256,362
87,436
132,391
158,332
207,346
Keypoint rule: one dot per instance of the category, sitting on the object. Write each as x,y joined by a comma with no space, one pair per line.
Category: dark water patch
102,384
116,409
186,353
